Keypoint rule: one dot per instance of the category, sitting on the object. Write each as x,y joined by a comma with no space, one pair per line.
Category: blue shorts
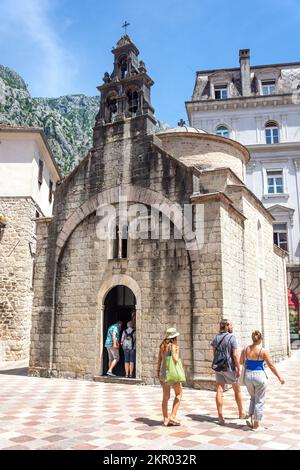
129,355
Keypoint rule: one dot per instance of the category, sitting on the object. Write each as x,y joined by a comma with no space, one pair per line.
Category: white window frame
278,172
272,128
265,86
221,88
286,231
222,134
267,167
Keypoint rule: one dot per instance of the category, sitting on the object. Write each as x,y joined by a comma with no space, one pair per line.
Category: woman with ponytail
253,358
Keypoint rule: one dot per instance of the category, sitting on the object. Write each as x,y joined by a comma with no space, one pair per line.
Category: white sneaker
111,374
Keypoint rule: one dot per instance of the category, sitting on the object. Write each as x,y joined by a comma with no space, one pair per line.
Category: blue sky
63,46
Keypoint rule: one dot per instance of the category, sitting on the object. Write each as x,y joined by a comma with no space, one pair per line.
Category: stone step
118,380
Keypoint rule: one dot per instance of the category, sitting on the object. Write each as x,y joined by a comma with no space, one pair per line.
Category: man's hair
224,324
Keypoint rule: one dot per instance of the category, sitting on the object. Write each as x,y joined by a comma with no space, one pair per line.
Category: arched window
223,131
133,102
111,107
123,67
272,132
120,243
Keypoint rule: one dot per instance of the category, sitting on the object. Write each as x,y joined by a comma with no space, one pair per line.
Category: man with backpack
226,365
128,345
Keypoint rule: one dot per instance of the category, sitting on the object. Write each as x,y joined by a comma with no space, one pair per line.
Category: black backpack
220,360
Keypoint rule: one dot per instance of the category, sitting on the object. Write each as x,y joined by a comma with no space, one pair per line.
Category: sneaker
111,374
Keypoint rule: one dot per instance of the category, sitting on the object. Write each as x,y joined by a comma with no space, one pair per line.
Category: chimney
245,71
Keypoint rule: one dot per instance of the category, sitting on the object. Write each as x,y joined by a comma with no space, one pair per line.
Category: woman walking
169,348
253,358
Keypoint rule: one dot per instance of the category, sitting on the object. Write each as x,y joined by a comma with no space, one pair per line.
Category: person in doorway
128,345
169,347
253,358
112,345
225,344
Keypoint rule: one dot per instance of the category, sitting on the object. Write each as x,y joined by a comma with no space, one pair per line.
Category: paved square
54,414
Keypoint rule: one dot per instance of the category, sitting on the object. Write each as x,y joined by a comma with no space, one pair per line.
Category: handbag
241,380
174,371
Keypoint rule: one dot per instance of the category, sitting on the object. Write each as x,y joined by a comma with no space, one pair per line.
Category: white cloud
54,67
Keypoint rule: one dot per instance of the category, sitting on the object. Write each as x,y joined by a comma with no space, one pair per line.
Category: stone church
84,282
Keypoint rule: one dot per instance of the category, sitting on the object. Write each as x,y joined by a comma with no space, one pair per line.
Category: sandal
221,421
250,425
174,422
244,416
166,422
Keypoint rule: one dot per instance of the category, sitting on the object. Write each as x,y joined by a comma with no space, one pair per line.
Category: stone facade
243,113
175,282
24,194
17,242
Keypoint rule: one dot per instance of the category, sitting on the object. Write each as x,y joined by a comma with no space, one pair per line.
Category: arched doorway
119,304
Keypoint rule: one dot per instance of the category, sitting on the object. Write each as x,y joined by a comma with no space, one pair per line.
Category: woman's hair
224,324
165,343
257,337
129,324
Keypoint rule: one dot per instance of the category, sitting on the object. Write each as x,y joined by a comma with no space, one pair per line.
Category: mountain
67,121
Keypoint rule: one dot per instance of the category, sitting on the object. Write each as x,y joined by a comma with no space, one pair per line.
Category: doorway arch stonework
106,286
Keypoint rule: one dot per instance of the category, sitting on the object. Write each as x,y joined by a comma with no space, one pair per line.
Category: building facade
259,107
28,175
85,281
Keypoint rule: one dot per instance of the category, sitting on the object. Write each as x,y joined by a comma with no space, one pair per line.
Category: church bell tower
125,94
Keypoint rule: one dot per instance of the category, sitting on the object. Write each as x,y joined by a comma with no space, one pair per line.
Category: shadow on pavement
211,419
149,422
23,371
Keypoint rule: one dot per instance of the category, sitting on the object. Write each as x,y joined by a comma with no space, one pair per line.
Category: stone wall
17,248
254,279
162,272
189,289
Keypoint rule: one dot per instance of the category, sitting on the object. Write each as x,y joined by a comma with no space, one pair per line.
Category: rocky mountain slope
67,121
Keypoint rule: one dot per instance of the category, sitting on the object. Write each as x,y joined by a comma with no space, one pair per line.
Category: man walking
112,345
227,367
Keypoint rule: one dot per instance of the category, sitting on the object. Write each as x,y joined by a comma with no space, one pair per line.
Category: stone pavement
38,413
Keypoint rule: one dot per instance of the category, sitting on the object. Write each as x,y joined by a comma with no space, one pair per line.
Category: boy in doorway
112,345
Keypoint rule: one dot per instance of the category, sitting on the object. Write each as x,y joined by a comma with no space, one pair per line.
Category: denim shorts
129,355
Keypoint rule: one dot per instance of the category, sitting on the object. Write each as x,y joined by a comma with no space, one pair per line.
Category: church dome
196,147
181,129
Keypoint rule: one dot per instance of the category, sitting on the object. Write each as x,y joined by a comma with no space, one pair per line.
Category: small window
120,244
281,236
268,87
133,102
223,131
41,169
50,191
272,133
112,107
221,92
123,67
275,181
